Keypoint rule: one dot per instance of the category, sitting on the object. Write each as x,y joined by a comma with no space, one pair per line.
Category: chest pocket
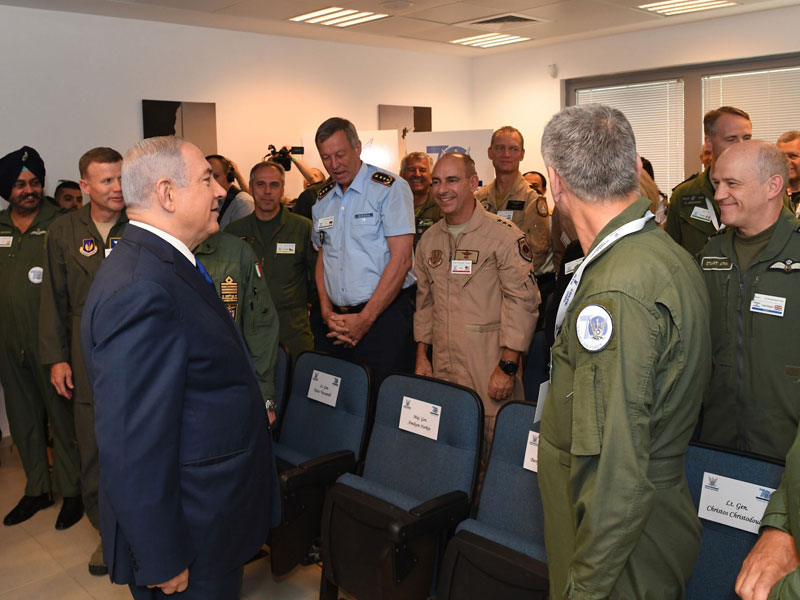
367,218
588,411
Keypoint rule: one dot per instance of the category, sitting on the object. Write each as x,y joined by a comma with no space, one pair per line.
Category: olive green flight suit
753,403
691,232
75,251
425,215
26,382
289,272
783,512
238,279
619,520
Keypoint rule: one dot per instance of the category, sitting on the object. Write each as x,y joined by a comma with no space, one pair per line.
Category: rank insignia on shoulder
505,222
524,249
229,291
383,178
435,259
323,191
716,263
787,266
88,247
594,328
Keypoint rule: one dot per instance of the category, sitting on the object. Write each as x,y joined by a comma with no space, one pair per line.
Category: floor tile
60,586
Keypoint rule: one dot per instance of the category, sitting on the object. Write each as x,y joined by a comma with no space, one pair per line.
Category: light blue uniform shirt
352,227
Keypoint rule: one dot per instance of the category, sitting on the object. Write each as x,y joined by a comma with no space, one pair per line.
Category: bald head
749,178
454,182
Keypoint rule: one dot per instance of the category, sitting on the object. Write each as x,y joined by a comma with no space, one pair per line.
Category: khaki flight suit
469,318
75,251
530,214
26,381
619,520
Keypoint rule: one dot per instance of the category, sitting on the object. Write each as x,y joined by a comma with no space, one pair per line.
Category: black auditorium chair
500,554
318,442
283,369
384,532
724,548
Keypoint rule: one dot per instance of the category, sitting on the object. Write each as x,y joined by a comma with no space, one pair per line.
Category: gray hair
416,156
789,136
593,150
334,124
268,163
770,161
147,162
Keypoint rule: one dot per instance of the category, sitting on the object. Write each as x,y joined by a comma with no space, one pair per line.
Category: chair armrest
435,514
318,471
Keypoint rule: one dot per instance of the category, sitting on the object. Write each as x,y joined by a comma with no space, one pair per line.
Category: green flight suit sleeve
54,333
777,513
259,324
612,417
673,225
787,588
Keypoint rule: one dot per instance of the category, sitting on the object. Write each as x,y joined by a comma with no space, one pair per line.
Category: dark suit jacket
187,476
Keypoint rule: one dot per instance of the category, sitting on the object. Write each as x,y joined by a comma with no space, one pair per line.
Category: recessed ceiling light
488,40
396,4
340,17
678,7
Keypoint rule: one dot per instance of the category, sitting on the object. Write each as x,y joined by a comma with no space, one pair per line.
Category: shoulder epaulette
505,222
383,178
689,178
323,191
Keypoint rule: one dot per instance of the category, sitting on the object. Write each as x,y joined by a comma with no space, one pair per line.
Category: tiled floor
39,563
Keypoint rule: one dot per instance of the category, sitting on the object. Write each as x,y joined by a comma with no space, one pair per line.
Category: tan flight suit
469,318
530,214
562,235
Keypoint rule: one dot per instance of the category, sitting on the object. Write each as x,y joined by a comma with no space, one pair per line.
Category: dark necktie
202,270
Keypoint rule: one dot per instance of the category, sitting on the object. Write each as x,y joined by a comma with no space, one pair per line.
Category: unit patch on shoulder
716,263
541,207
524,249
383,178
594,328
323,191
787,266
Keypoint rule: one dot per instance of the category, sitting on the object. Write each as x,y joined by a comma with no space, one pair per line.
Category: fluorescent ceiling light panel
488,40
340,17
677,7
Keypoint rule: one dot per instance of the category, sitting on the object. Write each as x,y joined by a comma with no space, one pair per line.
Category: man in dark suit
187,482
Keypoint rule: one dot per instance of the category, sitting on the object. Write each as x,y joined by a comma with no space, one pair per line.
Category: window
655,111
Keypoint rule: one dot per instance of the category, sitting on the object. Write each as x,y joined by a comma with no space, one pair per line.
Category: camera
282,156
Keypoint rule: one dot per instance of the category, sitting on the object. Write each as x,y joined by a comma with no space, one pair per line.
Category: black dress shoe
71,512
26,508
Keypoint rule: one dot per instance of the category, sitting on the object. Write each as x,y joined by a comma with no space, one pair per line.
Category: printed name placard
531,461
506,214
732,502
701,214
569,267
6,241
462,267
325,222
108,251
284,248
768,305
324,388
420,417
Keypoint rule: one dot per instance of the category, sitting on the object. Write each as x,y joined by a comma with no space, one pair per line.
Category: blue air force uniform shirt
352,227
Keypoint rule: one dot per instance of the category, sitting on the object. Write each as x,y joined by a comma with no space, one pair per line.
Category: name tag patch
531,461
420,417
594,328
515,205
364,216
716,263
506,214
701,214
284,248
461,267
769,305
732,502
324,388
6,240
470,255
325,222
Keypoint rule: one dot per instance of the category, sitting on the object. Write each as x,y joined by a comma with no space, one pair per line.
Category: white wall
516,89
75,81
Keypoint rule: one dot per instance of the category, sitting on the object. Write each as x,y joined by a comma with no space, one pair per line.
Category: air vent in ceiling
500,22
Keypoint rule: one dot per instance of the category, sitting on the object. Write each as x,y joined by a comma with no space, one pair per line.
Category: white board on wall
379,147
474,142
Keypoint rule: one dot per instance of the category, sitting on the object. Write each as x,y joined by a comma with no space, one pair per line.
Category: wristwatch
509,367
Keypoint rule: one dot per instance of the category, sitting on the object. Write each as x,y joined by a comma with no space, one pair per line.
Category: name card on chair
420,417
732,502
324,388
531,461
